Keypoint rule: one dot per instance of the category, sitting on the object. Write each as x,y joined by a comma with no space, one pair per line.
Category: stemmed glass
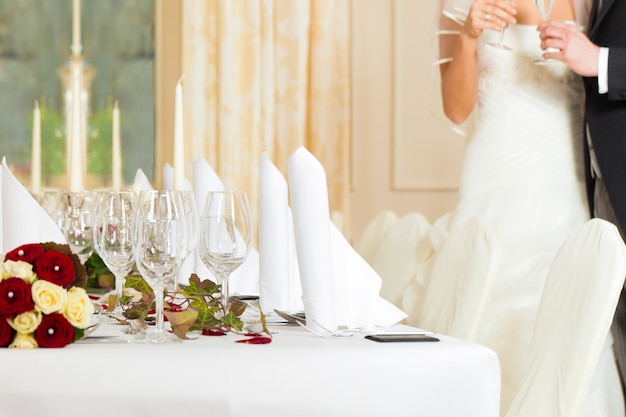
190,213
77,226
500,42
159,244
225,236
545,8
113,233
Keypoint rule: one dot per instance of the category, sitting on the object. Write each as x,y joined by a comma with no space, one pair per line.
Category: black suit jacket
605,114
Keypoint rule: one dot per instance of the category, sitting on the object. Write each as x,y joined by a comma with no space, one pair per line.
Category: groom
601,59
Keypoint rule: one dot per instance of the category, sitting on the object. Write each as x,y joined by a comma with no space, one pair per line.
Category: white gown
523,174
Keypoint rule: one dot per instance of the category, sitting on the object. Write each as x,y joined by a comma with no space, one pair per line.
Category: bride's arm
459,76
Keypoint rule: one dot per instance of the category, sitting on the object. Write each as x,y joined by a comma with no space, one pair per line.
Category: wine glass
159,245
77,226
225,236
545,8
190,213
113,233
500,42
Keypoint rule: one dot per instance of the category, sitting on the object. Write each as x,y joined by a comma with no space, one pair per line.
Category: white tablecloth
298,374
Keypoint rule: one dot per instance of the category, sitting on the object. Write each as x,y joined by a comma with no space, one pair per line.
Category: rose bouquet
43,302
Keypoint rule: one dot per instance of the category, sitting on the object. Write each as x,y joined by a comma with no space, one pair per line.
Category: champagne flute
545,9
225,236
113,232
77,226
500,42
159,244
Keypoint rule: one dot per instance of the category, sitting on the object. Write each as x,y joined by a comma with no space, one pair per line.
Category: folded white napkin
279,278
338,287
141,182
23,218
168,179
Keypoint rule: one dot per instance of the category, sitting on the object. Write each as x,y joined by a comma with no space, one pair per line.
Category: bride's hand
489,14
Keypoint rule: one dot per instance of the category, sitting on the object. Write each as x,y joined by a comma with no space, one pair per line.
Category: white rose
19,269
49,297
79,308
23,341
26,322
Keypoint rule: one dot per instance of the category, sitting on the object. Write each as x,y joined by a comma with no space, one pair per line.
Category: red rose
15,297
6,333
26,253
54,331
55,267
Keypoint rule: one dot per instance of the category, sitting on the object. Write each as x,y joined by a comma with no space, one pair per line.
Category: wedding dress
523,175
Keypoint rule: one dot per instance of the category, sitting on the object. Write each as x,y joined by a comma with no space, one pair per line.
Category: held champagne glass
500,42
159,243
545,8
225,236
113,233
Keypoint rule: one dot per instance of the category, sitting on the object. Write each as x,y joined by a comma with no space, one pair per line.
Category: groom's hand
574,48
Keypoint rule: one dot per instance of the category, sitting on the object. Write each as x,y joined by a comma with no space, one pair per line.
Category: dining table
298,373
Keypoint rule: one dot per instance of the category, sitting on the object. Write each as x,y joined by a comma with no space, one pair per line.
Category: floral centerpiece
43,302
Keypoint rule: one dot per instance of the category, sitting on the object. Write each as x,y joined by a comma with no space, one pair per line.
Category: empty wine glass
545,8
159,244
190,213
77,226
225,236
113,233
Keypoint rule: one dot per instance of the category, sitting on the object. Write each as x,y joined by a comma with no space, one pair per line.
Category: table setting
237,354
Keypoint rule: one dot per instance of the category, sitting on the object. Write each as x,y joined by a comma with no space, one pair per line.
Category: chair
374,233
572,326
401,253
459,280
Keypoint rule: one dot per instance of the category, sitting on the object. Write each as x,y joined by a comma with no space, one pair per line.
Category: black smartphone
402,337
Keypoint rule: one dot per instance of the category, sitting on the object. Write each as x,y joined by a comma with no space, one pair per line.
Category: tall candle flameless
75,171
76,47
116,165
179,139
35,158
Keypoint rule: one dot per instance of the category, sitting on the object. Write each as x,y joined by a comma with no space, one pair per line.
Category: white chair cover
573,321
401,253
460,277
373,234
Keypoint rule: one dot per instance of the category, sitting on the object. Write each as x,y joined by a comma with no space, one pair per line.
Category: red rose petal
211,332
258,340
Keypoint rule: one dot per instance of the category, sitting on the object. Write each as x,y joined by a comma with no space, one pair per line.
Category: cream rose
23,341
27,322
19,269
79,308
48,297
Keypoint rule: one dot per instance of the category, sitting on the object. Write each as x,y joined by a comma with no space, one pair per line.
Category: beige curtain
268,75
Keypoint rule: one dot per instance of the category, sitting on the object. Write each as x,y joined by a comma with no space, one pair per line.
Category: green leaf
138,283
181,321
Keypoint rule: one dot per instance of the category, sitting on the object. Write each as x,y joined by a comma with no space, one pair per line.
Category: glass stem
501,38
223,278
159,328
119,286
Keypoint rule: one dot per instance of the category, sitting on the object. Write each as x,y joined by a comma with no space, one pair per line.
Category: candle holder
78,223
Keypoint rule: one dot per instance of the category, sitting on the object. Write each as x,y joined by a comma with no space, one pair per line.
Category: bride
523,170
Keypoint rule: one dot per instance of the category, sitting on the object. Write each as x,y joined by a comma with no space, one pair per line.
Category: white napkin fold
168,179
279,278
141,182
23,218
338,287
